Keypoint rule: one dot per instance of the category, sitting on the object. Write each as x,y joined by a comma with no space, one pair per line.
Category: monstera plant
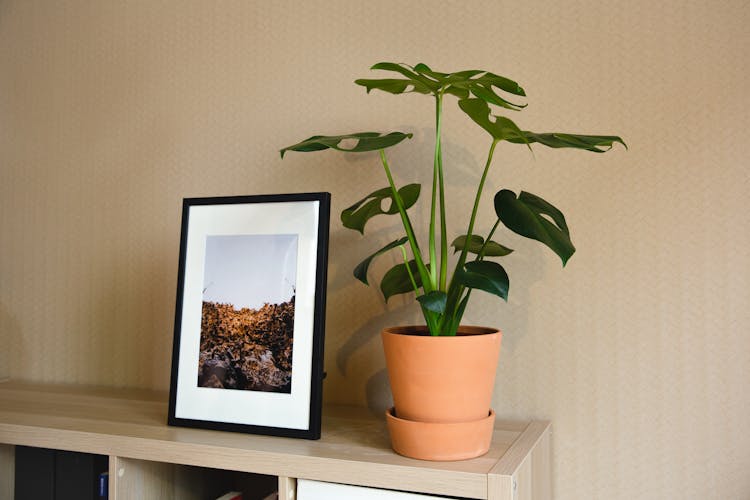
442,374
425,270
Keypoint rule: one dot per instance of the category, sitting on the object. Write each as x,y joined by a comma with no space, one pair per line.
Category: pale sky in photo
250,270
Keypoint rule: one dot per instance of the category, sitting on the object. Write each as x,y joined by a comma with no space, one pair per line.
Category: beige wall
112,112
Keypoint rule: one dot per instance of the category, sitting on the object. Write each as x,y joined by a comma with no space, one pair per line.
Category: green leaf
360,272
405,70
460,93
492,249
462,84
434,301
366,141
459,77
483,87
357,215
499,127
393,85
485,275
423,69
594,143
528,215
446,80
417,82
396,280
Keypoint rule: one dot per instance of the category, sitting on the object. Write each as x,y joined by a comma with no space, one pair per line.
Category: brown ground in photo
247,349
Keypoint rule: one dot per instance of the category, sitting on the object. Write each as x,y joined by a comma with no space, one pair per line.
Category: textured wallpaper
638,351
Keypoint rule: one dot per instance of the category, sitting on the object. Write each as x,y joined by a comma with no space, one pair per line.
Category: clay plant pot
440,381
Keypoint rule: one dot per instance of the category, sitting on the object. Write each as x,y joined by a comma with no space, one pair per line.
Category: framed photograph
250,316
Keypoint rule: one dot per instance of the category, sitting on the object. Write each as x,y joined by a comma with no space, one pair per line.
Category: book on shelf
232,495
104,486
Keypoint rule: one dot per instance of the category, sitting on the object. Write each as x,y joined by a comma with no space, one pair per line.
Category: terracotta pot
441,379
442,388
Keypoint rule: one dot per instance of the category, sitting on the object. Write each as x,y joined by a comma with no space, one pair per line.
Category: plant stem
455,290
408,269
426,284
441,191
433,197
462,258
480,255
433,324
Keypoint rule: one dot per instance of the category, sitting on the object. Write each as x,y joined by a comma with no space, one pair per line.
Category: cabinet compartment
48,474
133,478
77,475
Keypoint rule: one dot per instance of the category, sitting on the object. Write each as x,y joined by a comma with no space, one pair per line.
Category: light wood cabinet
149,459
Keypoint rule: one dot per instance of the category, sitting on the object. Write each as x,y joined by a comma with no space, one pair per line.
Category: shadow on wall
10,337
377,388
525,270
346,294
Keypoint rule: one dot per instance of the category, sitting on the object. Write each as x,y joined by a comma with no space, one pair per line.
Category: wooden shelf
130,427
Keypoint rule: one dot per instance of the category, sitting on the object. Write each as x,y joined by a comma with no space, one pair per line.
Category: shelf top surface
133,423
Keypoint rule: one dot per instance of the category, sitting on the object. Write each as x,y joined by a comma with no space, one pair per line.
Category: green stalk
433,325
455,291
433,198
480,255
429,316
408,269
480,188
441,190
426,284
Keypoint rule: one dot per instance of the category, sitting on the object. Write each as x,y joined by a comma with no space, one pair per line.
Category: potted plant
442,373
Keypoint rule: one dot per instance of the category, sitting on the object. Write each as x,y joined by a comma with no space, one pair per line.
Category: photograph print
249,330
247,323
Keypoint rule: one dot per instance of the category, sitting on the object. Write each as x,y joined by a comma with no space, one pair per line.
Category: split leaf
365,141
357,215
499,127
475,244
593,143
535,218
423,80
485,275
360,272
397,281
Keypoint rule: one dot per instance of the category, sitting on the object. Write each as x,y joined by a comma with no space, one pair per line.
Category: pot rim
391,414
423,331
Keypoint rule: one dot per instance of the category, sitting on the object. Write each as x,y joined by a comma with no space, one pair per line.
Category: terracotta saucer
440,441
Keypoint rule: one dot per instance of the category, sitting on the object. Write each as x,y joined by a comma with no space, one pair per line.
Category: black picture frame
238,365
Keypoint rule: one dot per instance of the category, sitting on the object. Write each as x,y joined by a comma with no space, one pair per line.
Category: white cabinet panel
317,490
